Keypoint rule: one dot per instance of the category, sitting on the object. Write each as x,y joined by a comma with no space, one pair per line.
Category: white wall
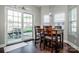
44,11
2,25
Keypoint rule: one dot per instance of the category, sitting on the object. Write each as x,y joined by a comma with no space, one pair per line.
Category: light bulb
49,13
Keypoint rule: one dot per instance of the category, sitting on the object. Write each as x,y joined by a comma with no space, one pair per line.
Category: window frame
58,23
71,21
45,20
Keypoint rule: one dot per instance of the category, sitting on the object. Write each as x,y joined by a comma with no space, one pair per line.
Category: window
27,23
14,22
59,19
46,20
73,20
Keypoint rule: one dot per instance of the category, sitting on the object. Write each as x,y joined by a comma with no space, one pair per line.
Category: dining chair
46,36
60,35
58,27
60,38
49,38
37,34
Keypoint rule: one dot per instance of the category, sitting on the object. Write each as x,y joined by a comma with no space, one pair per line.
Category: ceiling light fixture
50,12
26,8
23,8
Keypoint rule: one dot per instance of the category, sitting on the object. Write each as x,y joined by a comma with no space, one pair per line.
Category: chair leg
40,43
52,47
35,42
60,42
56,49
56,45
44,44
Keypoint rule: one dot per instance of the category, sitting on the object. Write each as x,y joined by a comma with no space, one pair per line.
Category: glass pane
16,19
10,29
10,18
74,30
15,13
20,25
15,25
20,19
72,20
26,15
30,20
10,12
59,17
25,20
30,24
27,26
74,14
19,14
27,29
24,25
74,24
10,25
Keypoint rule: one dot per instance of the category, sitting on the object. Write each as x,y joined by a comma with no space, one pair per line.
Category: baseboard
28,40
2,45
73,45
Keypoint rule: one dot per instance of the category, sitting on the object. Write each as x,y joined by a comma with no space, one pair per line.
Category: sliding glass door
19,26
27,26
14,26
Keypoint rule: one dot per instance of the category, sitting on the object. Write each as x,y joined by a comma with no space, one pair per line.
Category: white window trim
71,21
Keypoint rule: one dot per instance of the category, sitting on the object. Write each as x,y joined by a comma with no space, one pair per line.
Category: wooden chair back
47,30
58,27
37,29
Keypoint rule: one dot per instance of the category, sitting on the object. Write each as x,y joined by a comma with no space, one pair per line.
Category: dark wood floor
31,48
2,50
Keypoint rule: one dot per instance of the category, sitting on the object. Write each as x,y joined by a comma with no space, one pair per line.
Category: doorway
19,26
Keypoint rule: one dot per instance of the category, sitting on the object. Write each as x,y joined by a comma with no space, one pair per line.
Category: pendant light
50,12
26,8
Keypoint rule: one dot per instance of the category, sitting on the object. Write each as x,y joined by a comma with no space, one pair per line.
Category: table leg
62,40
